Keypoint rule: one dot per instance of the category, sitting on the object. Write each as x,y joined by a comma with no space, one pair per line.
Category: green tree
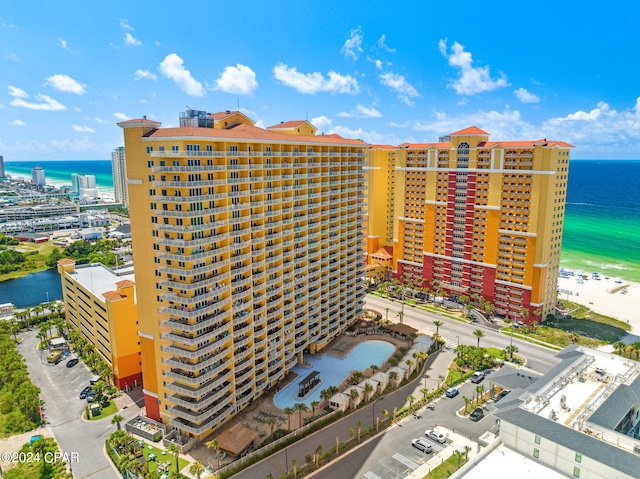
196,469
214,445
288,411
175,450
619,347
359,426
478,333
300,407
410,399
437,323
117,419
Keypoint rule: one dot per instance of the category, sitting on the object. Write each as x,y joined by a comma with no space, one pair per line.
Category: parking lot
60,388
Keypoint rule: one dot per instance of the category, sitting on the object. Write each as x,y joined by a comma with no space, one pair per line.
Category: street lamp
458,338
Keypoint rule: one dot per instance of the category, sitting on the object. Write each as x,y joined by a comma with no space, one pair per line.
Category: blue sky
384,72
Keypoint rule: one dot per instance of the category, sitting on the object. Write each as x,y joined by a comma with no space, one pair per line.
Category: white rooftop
504,463
98,279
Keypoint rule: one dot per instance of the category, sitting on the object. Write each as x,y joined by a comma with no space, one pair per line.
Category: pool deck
254,416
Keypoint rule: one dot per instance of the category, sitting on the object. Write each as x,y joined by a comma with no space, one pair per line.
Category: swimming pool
333,370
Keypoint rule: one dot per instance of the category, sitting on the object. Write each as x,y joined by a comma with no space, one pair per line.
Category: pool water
333,370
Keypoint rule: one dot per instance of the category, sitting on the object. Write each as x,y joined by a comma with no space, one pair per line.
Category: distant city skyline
359,69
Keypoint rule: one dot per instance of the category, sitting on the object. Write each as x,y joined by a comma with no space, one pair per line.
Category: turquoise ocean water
602,222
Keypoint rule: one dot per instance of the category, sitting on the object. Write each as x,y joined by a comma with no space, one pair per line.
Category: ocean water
59,172
602,220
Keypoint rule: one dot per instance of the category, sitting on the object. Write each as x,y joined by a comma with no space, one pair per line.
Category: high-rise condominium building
119,173
478,218
249,253
3,174
37,176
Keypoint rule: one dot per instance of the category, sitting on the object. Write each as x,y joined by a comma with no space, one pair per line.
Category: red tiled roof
112,295
64,261
127,283
472,130
223,114
382,147
424,146
244,131
385,252
139,120
287,124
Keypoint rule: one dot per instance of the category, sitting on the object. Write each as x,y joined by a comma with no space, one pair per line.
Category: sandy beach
607,295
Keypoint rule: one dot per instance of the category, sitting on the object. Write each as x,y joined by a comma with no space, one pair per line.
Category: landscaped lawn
167,456
106,411
446,469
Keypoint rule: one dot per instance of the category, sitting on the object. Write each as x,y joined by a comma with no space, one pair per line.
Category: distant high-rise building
2,172
119,173
37,176
249,254
85,187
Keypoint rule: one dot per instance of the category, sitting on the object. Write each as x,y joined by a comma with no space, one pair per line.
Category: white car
435,436
422,445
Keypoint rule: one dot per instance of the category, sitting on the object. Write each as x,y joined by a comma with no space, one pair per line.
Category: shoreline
611,296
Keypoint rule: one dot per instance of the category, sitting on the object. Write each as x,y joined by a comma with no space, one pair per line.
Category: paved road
457,332
60,387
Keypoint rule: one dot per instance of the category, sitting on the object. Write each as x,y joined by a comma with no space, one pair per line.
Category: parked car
422,445
91,396
58,360
477,377
477,414
451,392
84,392
435,436
501,394
72,362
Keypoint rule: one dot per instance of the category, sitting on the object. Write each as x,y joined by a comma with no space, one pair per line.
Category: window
578,457
537,439
536,453
576,471
149,149
174,148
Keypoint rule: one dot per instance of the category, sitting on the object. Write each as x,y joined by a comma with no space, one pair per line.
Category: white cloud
399,84
17,123
146,74
471,80
47,103
239,79
83,129
12,57
381,44
321,122
121,116
131,40
124,24
173,68
62,43
378,64
361,111
366,136
525,96
17,92
352,48
312,83
81,145
65,83
100,120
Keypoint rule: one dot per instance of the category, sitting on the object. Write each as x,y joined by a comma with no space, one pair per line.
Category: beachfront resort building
100,305
3,174
248,250
476,218
37,176
119,173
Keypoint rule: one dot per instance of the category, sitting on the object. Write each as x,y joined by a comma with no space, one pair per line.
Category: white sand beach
607,295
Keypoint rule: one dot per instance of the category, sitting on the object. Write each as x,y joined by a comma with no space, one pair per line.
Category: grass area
36,256
425,307
446,469
580,312
495,352
106,411
167,456
454,375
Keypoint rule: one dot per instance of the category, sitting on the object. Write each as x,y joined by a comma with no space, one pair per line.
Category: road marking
371,475
406,461
66,422
96,472
278,466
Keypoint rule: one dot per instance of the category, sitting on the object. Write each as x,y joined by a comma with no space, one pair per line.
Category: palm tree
295,468
400,315
117,419
437,323
619,347
386,311
479,391
478,333
314,405
368,388
175,450
425,392
512,349
440,379
359,426
213,444
196,469
410,398
459,456
353,394
271,422
300,407
636,348
318,452
467,449
467,401
288,411
374,368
